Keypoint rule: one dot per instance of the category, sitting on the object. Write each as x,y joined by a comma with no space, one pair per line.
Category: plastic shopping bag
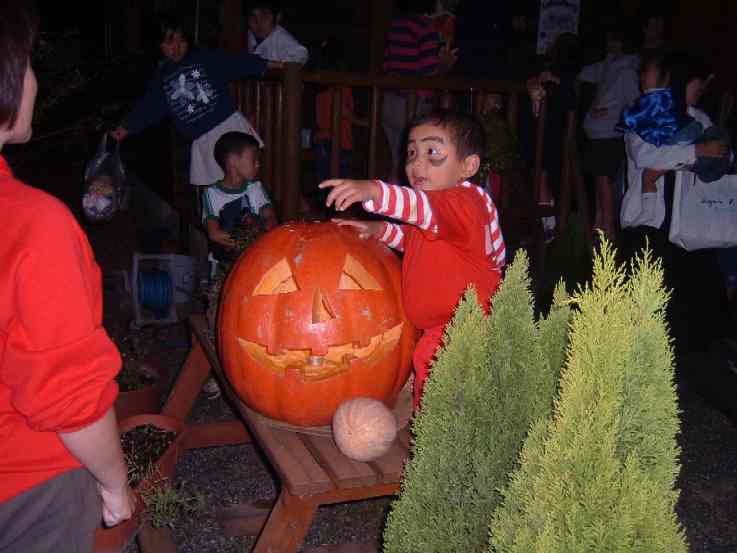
105,188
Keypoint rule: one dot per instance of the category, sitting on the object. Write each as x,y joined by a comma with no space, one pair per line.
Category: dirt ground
229,475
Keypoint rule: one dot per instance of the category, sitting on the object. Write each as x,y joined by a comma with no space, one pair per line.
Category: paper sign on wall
556,17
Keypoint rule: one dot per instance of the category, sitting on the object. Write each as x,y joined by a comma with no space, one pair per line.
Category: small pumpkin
311,315
364,429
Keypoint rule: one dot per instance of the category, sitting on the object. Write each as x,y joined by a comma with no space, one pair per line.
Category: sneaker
211,389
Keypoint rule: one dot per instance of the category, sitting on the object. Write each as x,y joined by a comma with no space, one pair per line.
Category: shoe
211,389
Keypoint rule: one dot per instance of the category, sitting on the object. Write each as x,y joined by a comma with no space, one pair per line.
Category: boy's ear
470,166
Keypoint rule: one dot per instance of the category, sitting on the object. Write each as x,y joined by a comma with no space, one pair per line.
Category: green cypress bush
492,379
600,474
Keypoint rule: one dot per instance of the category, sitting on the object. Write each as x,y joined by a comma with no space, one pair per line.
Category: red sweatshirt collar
5,170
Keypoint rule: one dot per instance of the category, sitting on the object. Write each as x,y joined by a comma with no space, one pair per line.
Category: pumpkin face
311,316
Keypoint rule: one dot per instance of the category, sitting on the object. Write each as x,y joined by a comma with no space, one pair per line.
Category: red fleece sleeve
64,362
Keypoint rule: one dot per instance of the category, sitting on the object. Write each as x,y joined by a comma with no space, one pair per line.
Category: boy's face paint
432,159
174,46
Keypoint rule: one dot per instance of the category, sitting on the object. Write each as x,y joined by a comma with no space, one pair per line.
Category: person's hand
548,77
447,58
221,237
712,148
649,177
118,505
119,134
366,229
346,192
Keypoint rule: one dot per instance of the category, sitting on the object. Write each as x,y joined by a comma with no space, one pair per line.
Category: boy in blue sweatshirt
191,87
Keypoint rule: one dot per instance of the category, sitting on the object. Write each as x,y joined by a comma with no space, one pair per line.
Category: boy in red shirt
450,234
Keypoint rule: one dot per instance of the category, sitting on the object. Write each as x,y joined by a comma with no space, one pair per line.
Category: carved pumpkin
311,315
364,429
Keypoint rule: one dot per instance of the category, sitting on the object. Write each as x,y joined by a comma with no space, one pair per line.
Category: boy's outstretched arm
391,234
346,192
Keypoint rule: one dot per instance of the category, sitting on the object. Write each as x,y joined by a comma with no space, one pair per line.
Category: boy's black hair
274,6
233,143
162,25
684,68
465,130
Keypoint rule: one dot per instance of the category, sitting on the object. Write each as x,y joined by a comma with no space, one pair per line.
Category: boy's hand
366,229
346,192
712,148
221,237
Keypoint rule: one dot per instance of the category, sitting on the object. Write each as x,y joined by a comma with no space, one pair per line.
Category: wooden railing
275,103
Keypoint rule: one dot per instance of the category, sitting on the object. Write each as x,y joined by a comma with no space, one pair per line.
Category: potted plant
142,385
151,445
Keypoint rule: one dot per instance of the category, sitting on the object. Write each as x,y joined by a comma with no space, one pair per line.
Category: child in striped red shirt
448,228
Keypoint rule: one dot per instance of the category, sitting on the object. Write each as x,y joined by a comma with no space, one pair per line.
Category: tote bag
704,214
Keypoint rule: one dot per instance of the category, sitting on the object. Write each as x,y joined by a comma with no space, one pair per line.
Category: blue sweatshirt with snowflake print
194,92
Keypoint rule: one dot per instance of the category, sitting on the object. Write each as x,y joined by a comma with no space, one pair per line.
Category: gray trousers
58,516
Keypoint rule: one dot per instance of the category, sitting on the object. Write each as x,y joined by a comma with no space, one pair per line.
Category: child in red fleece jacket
450,234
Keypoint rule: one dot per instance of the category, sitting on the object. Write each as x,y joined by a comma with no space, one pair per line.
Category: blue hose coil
156,292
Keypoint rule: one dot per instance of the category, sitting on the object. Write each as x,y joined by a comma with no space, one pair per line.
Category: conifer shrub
495,376
600,474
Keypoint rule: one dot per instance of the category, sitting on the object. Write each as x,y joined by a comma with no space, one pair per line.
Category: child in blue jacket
191,87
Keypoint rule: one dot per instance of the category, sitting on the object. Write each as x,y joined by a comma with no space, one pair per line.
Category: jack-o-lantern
311,316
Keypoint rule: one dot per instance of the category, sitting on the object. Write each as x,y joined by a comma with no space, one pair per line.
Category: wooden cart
311,469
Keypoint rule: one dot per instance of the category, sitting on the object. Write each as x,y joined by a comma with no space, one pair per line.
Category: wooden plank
297,468
193,375
246,519
345,472
209,434
156,540
287,525
405,437
343,548
391,465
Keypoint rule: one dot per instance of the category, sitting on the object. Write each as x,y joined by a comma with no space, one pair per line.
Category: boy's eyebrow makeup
433,139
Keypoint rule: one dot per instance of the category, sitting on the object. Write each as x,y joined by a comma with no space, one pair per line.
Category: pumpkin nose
322,311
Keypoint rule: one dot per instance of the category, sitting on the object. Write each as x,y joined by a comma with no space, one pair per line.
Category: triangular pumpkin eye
356,277
277,280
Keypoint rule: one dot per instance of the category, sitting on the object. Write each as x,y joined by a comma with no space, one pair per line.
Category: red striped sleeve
404,204
393,236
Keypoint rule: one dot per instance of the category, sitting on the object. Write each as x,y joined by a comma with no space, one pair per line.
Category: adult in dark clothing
554,78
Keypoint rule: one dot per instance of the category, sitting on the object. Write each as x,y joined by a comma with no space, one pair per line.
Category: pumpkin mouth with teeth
337,360
310,316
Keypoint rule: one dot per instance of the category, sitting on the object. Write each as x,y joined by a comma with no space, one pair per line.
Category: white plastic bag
640,209
704,214
105,189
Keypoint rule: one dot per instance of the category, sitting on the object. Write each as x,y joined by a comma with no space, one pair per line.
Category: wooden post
335,138
135,25
381,16
374,131
267,130
233,36
292,192
411,106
